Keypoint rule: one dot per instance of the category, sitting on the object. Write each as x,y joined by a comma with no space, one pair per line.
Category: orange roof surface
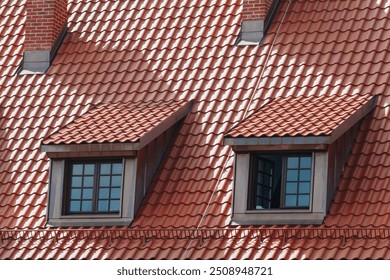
300,116
182,50
116,122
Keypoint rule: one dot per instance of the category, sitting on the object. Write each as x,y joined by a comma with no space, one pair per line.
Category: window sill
95,220
272,217
280,210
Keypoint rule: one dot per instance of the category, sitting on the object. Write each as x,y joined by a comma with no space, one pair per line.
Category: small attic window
97,191
100,173
290,155
280,187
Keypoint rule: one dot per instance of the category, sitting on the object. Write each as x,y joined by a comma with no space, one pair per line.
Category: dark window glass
263,189
281,181
94,187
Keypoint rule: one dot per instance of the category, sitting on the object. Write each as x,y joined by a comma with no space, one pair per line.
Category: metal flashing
354,118
39,61
252,32
93,149
35,62
277,141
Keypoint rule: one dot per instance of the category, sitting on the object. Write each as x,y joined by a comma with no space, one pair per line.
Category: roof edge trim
289,140
165,124
193,233
308,147
95,149
354,118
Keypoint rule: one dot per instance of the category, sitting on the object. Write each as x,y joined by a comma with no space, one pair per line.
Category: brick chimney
257,16
45,27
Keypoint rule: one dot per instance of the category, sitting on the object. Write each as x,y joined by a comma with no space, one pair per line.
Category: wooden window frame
67,186
57,217
283,186
314,215
282,192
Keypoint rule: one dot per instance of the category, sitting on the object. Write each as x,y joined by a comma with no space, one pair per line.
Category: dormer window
103,163
280,187
289,157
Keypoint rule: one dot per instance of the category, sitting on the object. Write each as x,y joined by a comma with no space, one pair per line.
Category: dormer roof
301,120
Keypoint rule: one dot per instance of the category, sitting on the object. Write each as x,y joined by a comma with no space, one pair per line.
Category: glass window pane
305,162
303,200
304,175
91,191
75,194
268,168
291,200
267,180
104,193
261,165
117,168
103,206
87,193
76,182
104,181
292,162
291,188
292,175
89,169
264,204
74,206
266,193
105,168
116,193
258,203
114,205
304,187
86,206
77,169
116,181
88,182
260,178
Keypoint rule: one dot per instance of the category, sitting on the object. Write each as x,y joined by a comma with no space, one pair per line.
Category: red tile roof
132,51
301,116
117,122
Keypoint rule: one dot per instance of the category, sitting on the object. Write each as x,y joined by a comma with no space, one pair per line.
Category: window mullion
67,191
110,188
284,182
96,187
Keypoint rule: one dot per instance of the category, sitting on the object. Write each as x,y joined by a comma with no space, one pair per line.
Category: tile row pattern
115,122
133,51
299,116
